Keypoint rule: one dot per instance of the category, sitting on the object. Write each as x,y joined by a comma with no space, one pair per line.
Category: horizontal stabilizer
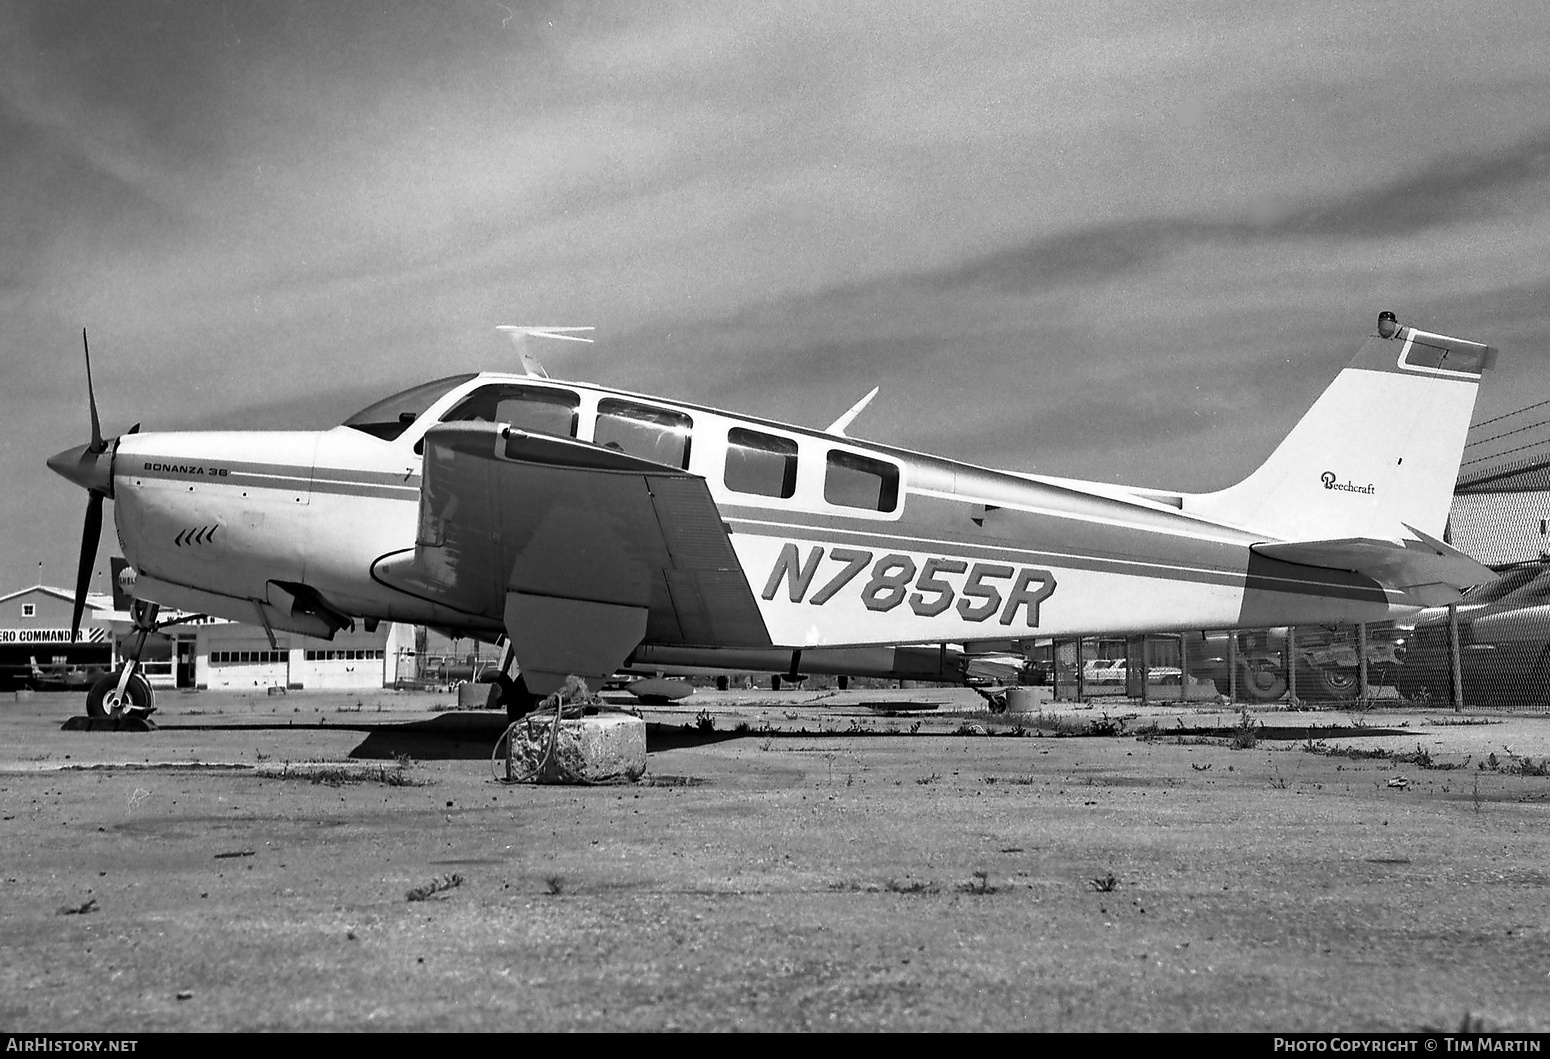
1433,572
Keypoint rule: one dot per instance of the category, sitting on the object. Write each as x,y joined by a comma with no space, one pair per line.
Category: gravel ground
791,861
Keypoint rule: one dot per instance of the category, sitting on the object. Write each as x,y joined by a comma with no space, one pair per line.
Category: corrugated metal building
1501,515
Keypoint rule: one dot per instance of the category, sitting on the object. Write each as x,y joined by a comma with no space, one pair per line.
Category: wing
581,552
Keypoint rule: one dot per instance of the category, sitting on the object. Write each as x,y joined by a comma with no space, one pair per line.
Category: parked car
1504,644
1116,670
1327,661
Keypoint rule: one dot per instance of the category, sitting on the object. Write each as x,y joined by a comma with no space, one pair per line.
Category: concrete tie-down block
595,748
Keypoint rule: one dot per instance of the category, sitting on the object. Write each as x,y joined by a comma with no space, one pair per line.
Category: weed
925,780
436,886
1106,884
554,884
1106,725
1420,757
1245,734
79,910
339,775
704,722
969,728
742,728
766,744
910,886
915,727
1516,766
976,883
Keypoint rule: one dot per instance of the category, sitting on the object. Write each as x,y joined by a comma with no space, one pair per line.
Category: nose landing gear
126,694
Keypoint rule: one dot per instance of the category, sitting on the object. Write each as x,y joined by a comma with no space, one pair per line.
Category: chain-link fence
1490,650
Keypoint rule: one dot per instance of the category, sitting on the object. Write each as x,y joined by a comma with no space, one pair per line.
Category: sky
1128,242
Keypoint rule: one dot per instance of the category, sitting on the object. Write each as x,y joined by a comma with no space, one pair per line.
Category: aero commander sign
9,636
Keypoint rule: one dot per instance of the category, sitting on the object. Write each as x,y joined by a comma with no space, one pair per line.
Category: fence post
1184,668
1232,666
1455,669
1291,664
1363,691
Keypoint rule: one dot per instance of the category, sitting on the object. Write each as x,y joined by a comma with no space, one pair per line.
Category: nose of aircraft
90,470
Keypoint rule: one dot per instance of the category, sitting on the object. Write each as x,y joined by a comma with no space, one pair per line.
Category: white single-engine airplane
589,526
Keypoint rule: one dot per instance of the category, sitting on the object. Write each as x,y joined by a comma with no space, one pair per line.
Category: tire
844,682
1340,685
139,699
774,683
1261,682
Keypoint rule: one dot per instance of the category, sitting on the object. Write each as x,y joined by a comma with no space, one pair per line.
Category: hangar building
35,632
1501,515
36,649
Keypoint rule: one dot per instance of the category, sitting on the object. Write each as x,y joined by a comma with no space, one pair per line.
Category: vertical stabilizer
1378,451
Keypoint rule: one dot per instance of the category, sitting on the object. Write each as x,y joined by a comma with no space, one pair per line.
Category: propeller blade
89,535
97,444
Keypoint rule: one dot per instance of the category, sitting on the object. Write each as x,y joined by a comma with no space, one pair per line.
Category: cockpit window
535,409
641,430
389,418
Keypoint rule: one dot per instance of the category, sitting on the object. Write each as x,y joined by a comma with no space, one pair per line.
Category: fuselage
842,542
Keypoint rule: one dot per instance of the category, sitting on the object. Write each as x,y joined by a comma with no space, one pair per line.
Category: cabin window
535,409
654,434
860,482
29,610
762,464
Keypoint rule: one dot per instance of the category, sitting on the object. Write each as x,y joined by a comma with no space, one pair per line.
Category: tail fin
1378,452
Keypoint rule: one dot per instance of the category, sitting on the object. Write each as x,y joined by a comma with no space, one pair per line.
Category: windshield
391,416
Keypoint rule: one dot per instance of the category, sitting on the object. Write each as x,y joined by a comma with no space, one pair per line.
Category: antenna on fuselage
837,427
520,333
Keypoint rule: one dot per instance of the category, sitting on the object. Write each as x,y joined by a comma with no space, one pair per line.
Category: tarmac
897,859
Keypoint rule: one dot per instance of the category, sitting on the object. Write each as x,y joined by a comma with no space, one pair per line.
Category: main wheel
103,699
519,701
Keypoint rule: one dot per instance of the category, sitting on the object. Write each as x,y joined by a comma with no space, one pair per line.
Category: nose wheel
136,699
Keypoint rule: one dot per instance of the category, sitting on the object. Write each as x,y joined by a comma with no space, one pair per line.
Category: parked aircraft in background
62,676
588,525
1503,643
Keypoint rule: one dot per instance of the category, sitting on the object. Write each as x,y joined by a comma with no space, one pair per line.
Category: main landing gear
519,702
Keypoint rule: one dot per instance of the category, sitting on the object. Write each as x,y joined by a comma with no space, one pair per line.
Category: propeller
91,467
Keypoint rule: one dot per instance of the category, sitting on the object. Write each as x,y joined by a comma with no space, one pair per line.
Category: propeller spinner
89,466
